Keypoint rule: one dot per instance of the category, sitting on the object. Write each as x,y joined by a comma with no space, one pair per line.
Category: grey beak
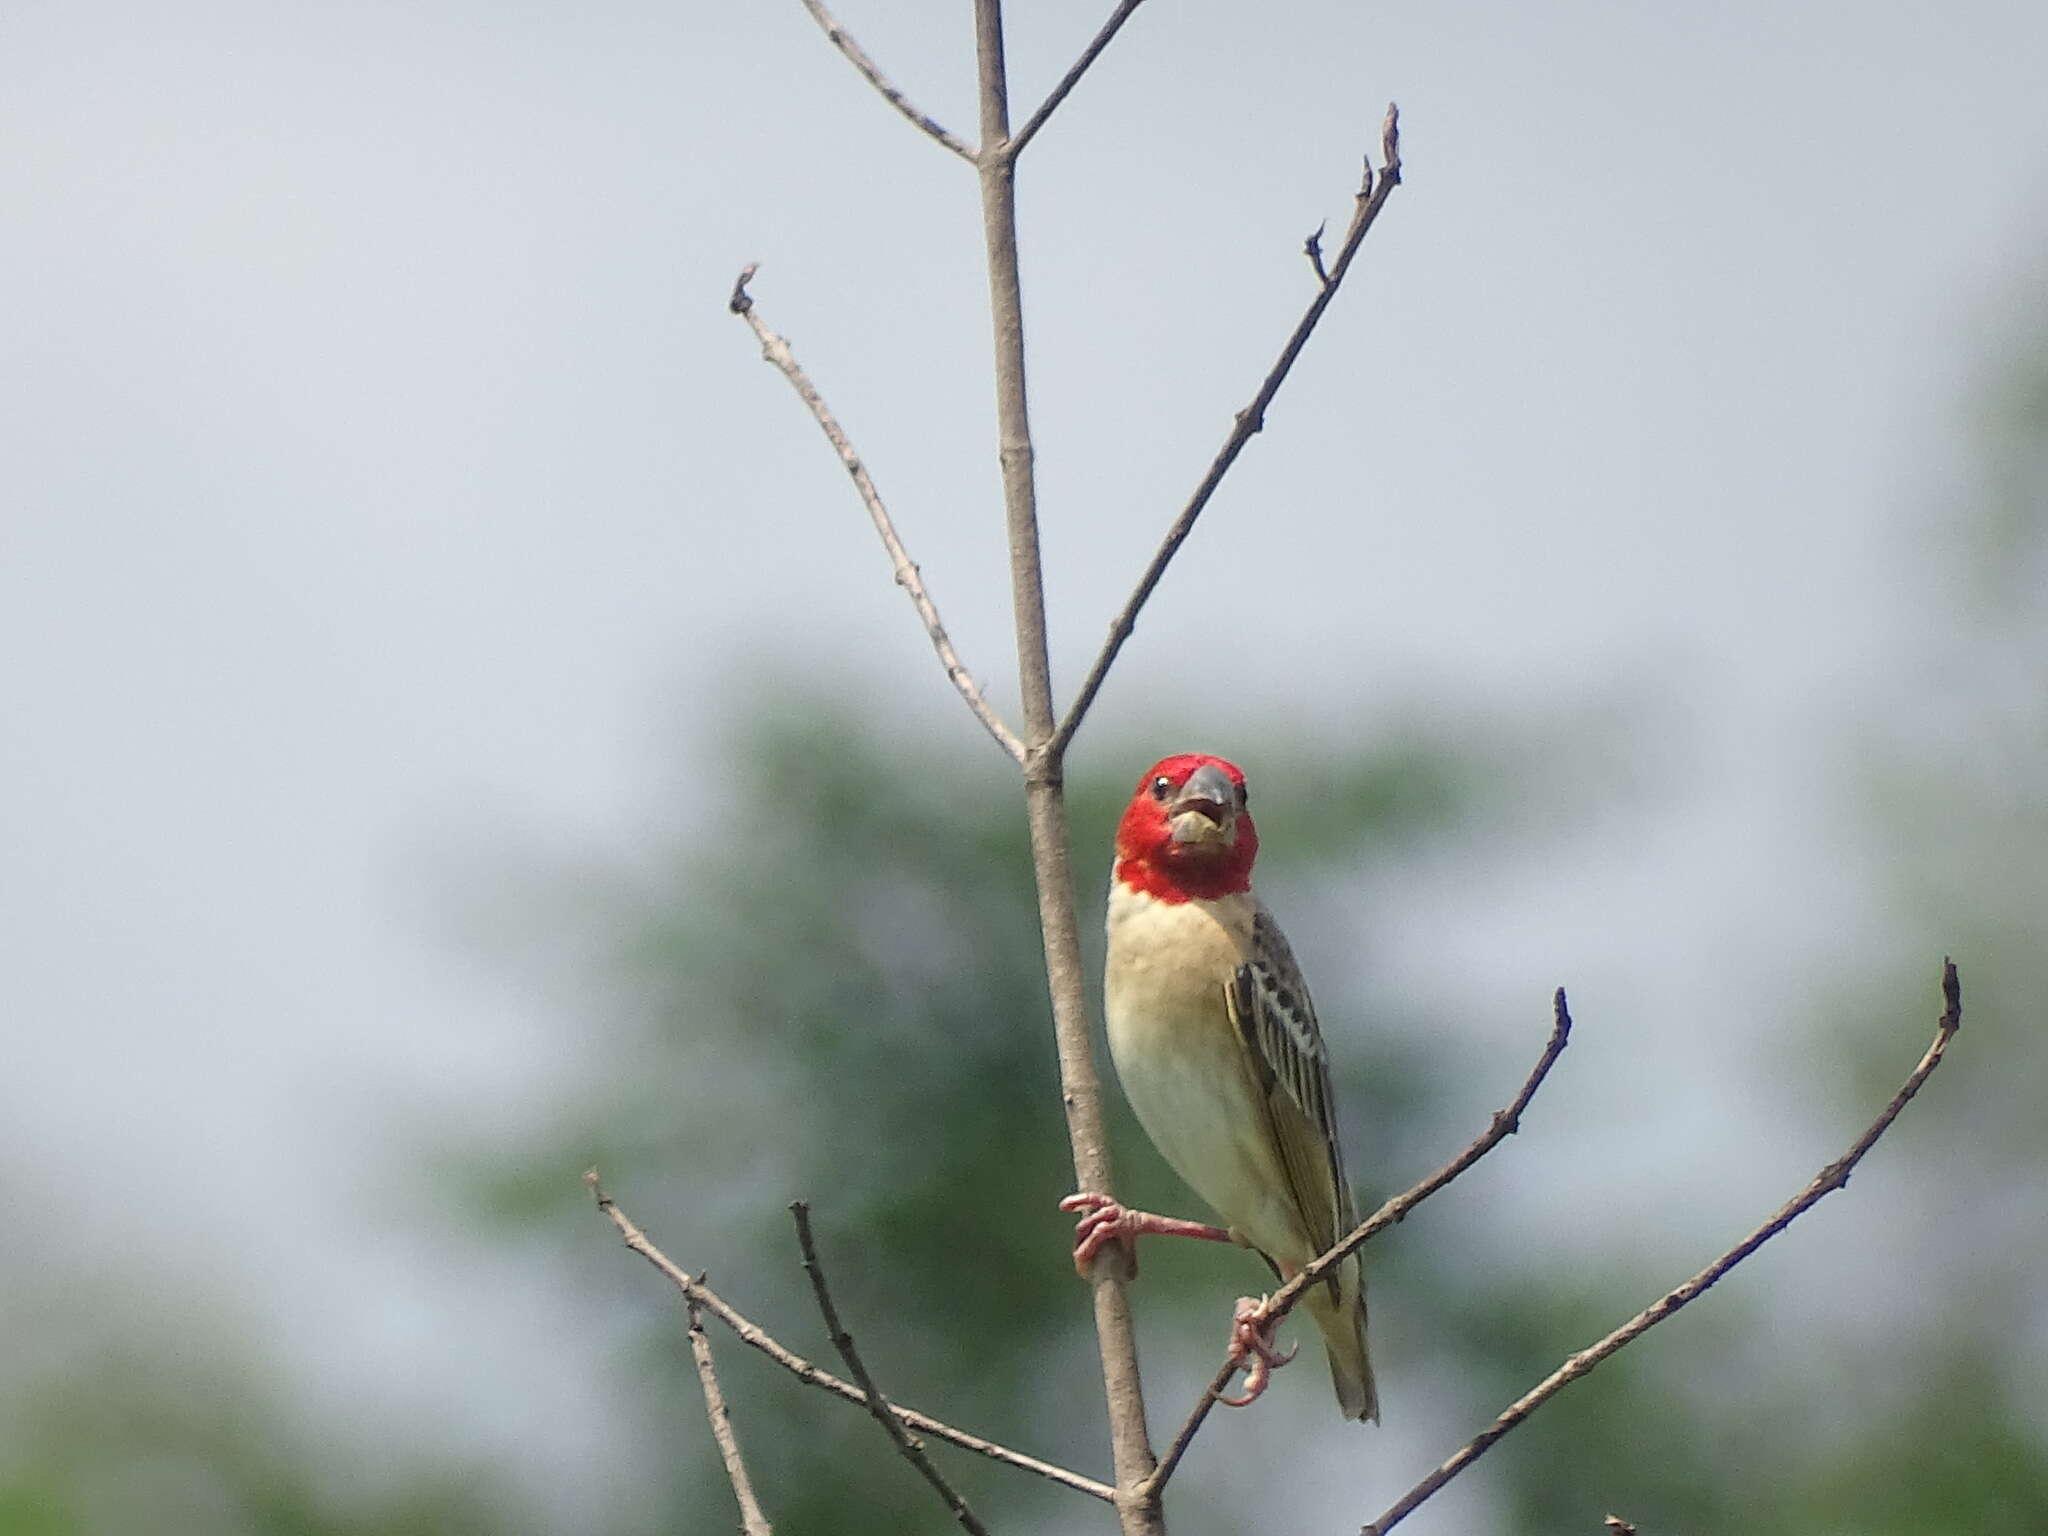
1210,790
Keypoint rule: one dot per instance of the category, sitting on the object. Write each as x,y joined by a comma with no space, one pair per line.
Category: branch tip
742,301
1312,248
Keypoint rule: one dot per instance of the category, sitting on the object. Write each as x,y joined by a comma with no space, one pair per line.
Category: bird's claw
1251,1339
1103,1221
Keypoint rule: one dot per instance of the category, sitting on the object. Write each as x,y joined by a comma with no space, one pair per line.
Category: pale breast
1182,1066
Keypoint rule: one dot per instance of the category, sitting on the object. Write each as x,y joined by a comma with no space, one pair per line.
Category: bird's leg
1251,1338
1103,1221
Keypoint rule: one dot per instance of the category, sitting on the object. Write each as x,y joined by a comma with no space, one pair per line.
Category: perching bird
1216,1044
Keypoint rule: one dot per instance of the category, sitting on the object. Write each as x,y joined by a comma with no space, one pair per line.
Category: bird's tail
1341,1317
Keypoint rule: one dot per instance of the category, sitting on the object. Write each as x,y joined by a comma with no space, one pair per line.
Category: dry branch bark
1044,790
752,1521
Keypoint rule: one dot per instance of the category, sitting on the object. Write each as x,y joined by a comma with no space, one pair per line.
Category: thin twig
751,1519
698,1294
843,41
1829,1179
1312,248
1072,78
1249,421
1505,1123
878,1405
776,350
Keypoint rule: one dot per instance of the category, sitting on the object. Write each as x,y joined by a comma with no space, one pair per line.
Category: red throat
1150,861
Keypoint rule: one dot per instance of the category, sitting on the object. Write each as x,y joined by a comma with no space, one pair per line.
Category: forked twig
1312,248
751,1519
878,1405
776,350
1505,1123
1372,196
841,39
1072,78
698,1294
1828,1180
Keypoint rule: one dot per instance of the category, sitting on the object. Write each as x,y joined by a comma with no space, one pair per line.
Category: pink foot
1251,1338
1103,1221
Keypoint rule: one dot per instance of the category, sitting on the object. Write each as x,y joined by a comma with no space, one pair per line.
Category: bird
1220,1056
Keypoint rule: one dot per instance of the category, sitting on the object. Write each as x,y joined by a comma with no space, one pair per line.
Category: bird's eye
1161,786
1244,796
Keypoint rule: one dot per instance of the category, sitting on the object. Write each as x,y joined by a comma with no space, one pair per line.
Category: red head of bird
1186,834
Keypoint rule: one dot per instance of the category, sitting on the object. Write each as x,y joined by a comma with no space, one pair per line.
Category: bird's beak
1205,810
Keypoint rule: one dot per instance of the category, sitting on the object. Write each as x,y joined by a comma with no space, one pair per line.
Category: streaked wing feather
1276,1021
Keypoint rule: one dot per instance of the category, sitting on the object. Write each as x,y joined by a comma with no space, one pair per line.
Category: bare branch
1371,198
1044,792
1505,1123
1072,78
698,1294
776,350
1829,1179
843,41
878,1405
751,1519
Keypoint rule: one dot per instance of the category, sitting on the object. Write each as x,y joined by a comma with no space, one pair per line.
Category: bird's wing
1276,1022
